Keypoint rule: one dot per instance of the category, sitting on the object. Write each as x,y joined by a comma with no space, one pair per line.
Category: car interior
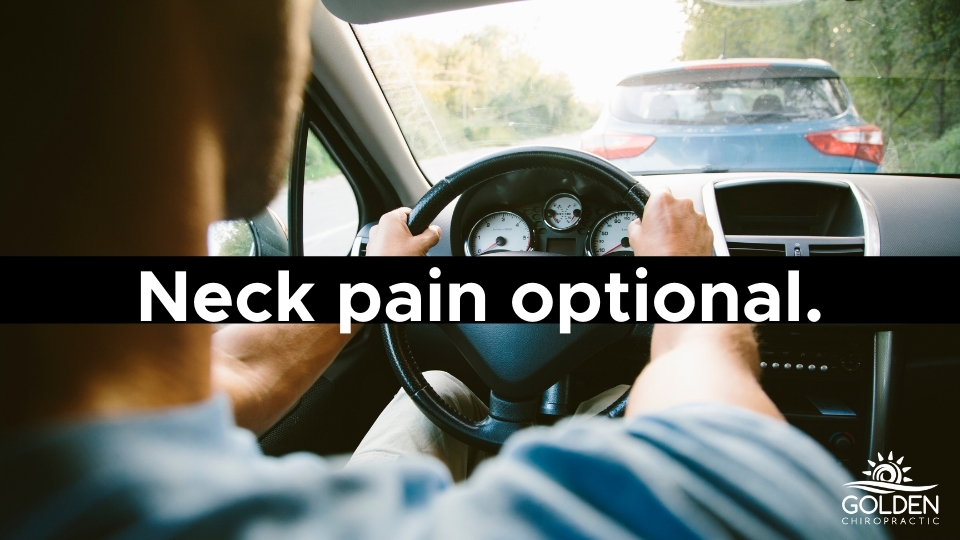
856,389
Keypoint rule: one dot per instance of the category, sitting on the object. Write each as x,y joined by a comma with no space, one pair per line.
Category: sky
595,42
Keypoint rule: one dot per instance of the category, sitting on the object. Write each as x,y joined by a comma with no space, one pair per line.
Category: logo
887,477
898,502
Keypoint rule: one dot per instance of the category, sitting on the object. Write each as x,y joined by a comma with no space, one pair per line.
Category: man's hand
670,227
392,237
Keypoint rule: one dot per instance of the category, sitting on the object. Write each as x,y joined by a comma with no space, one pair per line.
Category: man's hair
69,67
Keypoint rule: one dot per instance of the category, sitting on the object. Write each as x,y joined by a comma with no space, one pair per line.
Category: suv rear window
750,101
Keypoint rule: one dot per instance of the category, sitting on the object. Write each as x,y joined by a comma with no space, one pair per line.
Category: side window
331,216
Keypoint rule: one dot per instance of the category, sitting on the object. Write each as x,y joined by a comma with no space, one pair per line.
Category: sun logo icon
886,476
888,471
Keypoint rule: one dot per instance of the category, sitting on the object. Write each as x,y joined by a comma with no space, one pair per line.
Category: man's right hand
670,227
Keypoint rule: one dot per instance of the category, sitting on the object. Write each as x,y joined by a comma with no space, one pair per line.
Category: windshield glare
877,90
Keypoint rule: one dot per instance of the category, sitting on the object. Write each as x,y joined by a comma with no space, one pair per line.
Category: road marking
324,234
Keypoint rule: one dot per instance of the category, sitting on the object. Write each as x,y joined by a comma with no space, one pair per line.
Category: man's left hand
392,237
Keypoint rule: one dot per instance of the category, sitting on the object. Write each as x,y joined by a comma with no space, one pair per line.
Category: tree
899,58
483,89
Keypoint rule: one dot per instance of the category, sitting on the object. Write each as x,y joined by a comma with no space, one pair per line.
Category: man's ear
260,57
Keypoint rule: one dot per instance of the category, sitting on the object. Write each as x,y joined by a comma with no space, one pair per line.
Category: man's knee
456,394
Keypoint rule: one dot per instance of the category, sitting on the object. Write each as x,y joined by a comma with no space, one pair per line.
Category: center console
830,383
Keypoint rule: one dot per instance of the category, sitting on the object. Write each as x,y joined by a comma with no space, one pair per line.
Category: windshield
680,86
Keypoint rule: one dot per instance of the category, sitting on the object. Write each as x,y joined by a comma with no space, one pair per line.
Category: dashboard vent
748,249
836,250
359,248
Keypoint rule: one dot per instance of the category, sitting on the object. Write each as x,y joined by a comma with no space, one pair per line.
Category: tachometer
499,231
562,212
609,236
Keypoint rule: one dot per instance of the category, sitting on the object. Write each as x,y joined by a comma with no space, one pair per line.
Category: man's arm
692,362
266,368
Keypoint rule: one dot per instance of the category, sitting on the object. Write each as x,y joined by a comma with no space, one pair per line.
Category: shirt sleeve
693,471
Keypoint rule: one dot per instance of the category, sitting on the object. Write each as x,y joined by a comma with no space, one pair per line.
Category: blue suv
735,115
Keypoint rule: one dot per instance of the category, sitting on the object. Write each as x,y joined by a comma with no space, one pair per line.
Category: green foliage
318,163
899,58
942,156
484,90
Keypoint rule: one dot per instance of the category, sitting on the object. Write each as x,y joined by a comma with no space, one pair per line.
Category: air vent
745,249
836,250
359,247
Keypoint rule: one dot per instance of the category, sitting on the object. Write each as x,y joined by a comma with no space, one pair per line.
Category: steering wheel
516,377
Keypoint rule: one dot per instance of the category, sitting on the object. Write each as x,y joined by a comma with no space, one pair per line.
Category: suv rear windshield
751,101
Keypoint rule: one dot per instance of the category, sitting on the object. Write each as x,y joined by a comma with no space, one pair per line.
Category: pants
402,430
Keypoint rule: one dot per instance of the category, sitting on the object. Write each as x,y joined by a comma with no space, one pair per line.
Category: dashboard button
812,367
763,365
841,443
788,365
799,367
775,365
824,368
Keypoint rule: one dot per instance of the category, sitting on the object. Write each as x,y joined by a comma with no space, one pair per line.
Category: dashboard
900,215
832,382
542,211
562,225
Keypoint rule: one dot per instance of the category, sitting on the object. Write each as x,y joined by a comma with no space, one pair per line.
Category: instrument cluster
562,224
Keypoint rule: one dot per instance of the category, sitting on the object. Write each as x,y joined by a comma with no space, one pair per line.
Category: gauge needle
611,250
488,248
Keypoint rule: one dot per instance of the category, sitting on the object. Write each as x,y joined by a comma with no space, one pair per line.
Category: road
436,167
330,216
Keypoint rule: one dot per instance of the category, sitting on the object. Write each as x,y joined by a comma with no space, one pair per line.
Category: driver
136,125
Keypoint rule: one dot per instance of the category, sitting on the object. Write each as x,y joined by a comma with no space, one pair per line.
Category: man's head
117,108
259,53
129,127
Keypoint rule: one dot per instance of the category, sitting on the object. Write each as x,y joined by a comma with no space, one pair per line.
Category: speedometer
499,231
609,236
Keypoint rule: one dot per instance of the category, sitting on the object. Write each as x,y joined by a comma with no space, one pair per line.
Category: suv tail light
616,145
861,142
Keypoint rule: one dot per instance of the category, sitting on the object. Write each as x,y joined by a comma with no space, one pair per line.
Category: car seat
767,103
662,107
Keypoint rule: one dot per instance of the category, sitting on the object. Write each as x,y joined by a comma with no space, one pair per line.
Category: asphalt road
330,216
436,168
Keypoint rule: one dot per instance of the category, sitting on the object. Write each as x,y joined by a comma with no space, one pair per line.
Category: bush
941,156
